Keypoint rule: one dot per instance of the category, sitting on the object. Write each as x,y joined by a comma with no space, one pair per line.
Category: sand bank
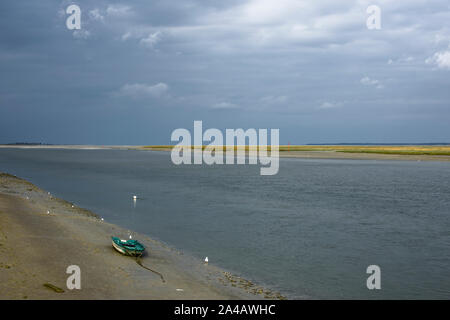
309,154
40,236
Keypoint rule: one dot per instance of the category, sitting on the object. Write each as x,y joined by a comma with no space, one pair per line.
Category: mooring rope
139,262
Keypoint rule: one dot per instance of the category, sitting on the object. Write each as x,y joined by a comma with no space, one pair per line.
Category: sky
139,69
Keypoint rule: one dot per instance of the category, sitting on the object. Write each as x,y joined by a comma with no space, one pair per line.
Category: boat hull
125,251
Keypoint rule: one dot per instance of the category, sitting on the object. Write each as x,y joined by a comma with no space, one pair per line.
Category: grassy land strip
401,150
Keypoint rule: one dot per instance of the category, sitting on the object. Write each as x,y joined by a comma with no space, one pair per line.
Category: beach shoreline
295,154
41,235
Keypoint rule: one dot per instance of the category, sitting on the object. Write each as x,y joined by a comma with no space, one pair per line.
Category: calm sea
311,231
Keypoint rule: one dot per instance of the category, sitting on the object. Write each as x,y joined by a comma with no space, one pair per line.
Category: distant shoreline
351,152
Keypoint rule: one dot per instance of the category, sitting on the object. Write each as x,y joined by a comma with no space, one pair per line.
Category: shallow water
310,231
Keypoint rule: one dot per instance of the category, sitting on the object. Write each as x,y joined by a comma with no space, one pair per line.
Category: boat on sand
128,247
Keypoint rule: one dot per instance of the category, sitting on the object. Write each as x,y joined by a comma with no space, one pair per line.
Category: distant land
379,144
28,144
434,152
307,144
397,151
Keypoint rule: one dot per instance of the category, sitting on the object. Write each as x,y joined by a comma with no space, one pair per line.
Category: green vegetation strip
400,152
437,150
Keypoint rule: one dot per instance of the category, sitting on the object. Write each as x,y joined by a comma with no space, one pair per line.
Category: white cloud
442,37
402,60
126,36
96,15
440,59
371,82
284,39
224,105
141,90
118,10
368,81
81,34
151,40
329,105
280,25
274,99
260,23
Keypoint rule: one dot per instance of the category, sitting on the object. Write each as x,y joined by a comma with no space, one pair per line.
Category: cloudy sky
138,69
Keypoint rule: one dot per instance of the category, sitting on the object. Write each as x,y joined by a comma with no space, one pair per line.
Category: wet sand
360,156
40,236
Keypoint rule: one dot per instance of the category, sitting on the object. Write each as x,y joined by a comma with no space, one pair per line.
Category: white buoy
206,260
134,197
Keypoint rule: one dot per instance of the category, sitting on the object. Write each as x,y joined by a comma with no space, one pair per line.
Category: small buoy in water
134,197
206,260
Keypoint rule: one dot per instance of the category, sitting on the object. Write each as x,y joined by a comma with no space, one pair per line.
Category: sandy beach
40,236
309,154
360,156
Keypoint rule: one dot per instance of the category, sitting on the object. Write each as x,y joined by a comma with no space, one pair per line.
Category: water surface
310,231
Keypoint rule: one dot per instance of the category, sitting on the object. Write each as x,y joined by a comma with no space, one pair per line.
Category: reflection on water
310,231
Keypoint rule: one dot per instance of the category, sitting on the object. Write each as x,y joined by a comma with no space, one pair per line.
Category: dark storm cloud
138,69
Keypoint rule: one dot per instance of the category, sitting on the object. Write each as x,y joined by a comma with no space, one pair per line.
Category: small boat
128,247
